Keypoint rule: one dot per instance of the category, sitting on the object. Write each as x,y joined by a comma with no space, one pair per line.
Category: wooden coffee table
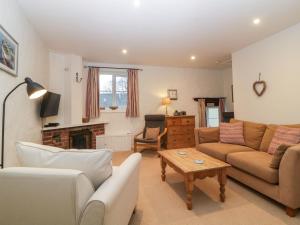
185,165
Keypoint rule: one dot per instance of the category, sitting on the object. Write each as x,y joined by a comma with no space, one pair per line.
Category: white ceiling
159,32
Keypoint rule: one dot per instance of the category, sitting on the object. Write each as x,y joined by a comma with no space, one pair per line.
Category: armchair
151,121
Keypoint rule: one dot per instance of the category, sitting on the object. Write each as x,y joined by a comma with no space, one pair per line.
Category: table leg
163,168
222,178
189,186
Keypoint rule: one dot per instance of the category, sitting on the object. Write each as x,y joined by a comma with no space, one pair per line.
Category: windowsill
112,111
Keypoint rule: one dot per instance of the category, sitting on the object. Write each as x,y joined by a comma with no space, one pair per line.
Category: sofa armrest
42,196
114,201
206,135
289,179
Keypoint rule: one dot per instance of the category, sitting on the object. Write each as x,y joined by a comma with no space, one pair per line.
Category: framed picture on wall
9,50
172,94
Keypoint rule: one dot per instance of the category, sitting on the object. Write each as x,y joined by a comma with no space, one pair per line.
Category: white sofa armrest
42,196
115,200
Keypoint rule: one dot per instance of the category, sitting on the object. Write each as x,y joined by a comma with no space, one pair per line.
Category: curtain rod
108,67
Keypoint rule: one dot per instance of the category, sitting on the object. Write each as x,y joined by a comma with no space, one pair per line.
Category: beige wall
22,119
278,59
62,80
227,88
154,82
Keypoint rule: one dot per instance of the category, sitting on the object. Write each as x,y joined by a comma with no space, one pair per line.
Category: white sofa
40,196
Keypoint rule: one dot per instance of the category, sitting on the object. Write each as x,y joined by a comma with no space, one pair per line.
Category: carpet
163,203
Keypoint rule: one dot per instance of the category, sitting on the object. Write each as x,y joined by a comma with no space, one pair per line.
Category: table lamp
166,101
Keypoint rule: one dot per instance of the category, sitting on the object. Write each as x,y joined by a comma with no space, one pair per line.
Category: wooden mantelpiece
60,136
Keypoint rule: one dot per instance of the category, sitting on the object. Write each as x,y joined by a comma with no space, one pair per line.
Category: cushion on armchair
152,133
95,164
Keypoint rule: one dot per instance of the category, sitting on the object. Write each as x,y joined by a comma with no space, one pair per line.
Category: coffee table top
186,162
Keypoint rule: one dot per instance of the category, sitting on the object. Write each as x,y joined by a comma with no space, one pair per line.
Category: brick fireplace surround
60,136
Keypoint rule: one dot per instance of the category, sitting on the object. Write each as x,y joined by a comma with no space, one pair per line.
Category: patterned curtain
221,109
92,94
202,113
133,94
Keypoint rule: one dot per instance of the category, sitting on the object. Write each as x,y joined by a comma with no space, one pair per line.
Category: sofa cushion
220,150
277,156
253,133
232,133
284,135
269,134
95,164
256,163
208,135
267,138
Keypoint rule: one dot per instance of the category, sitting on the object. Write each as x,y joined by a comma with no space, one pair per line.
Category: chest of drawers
180,131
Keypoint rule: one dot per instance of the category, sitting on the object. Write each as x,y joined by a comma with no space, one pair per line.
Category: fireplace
80,139
73,136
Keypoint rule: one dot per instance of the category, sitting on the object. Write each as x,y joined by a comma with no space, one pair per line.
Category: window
212,116
113,89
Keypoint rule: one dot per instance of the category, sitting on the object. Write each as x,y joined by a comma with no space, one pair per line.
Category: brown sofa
250,163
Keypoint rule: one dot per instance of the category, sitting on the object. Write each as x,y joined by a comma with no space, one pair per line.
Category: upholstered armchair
151,121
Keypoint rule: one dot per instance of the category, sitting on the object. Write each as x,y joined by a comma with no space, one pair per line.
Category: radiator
116,142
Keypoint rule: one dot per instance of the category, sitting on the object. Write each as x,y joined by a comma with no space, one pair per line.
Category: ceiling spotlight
124,51
193,57
256,21
137,3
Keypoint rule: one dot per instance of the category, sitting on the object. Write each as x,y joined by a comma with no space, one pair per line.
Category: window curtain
221,109
132,94
92,107
202,113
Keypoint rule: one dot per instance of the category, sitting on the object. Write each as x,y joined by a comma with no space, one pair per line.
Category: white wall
153,84
227,88
62,80
22,119
277,58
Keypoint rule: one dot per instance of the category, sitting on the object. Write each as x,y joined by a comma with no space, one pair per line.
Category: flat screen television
50,104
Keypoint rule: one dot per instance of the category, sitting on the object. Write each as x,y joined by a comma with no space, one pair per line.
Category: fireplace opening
81,139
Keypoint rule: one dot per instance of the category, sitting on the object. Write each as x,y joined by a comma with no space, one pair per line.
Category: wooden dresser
180,131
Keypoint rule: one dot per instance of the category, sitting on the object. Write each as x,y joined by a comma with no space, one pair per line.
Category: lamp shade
34,90
166,101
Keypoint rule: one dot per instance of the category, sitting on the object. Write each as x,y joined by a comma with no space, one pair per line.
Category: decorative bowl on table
113,107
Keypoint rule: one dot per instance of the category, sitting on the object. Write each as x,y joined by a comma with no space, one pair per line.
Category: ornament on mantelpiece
259,86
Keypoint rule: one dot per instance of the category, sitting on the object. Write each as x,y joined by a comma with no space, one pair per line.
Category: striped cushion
284,135
232,133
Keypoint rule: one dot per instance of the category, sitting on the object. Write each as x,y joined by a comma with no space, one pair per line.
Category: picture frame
9,53
172,94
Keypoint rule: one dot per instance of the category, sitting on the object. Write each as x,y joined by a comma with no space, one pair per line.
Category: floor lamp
34,90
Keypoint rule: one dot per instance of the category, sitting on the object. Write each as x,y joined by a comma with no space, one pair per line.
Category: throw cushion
269,134
95,164
267,138
284,135
152,133
278,156
253,133
232,133
209,135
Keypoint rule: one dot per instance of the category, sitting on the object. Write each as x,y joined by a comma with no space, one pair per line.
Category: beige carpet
162,203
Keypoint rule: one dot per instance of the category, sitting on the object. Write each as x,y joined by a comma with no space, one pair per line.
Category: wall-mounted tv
50,104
